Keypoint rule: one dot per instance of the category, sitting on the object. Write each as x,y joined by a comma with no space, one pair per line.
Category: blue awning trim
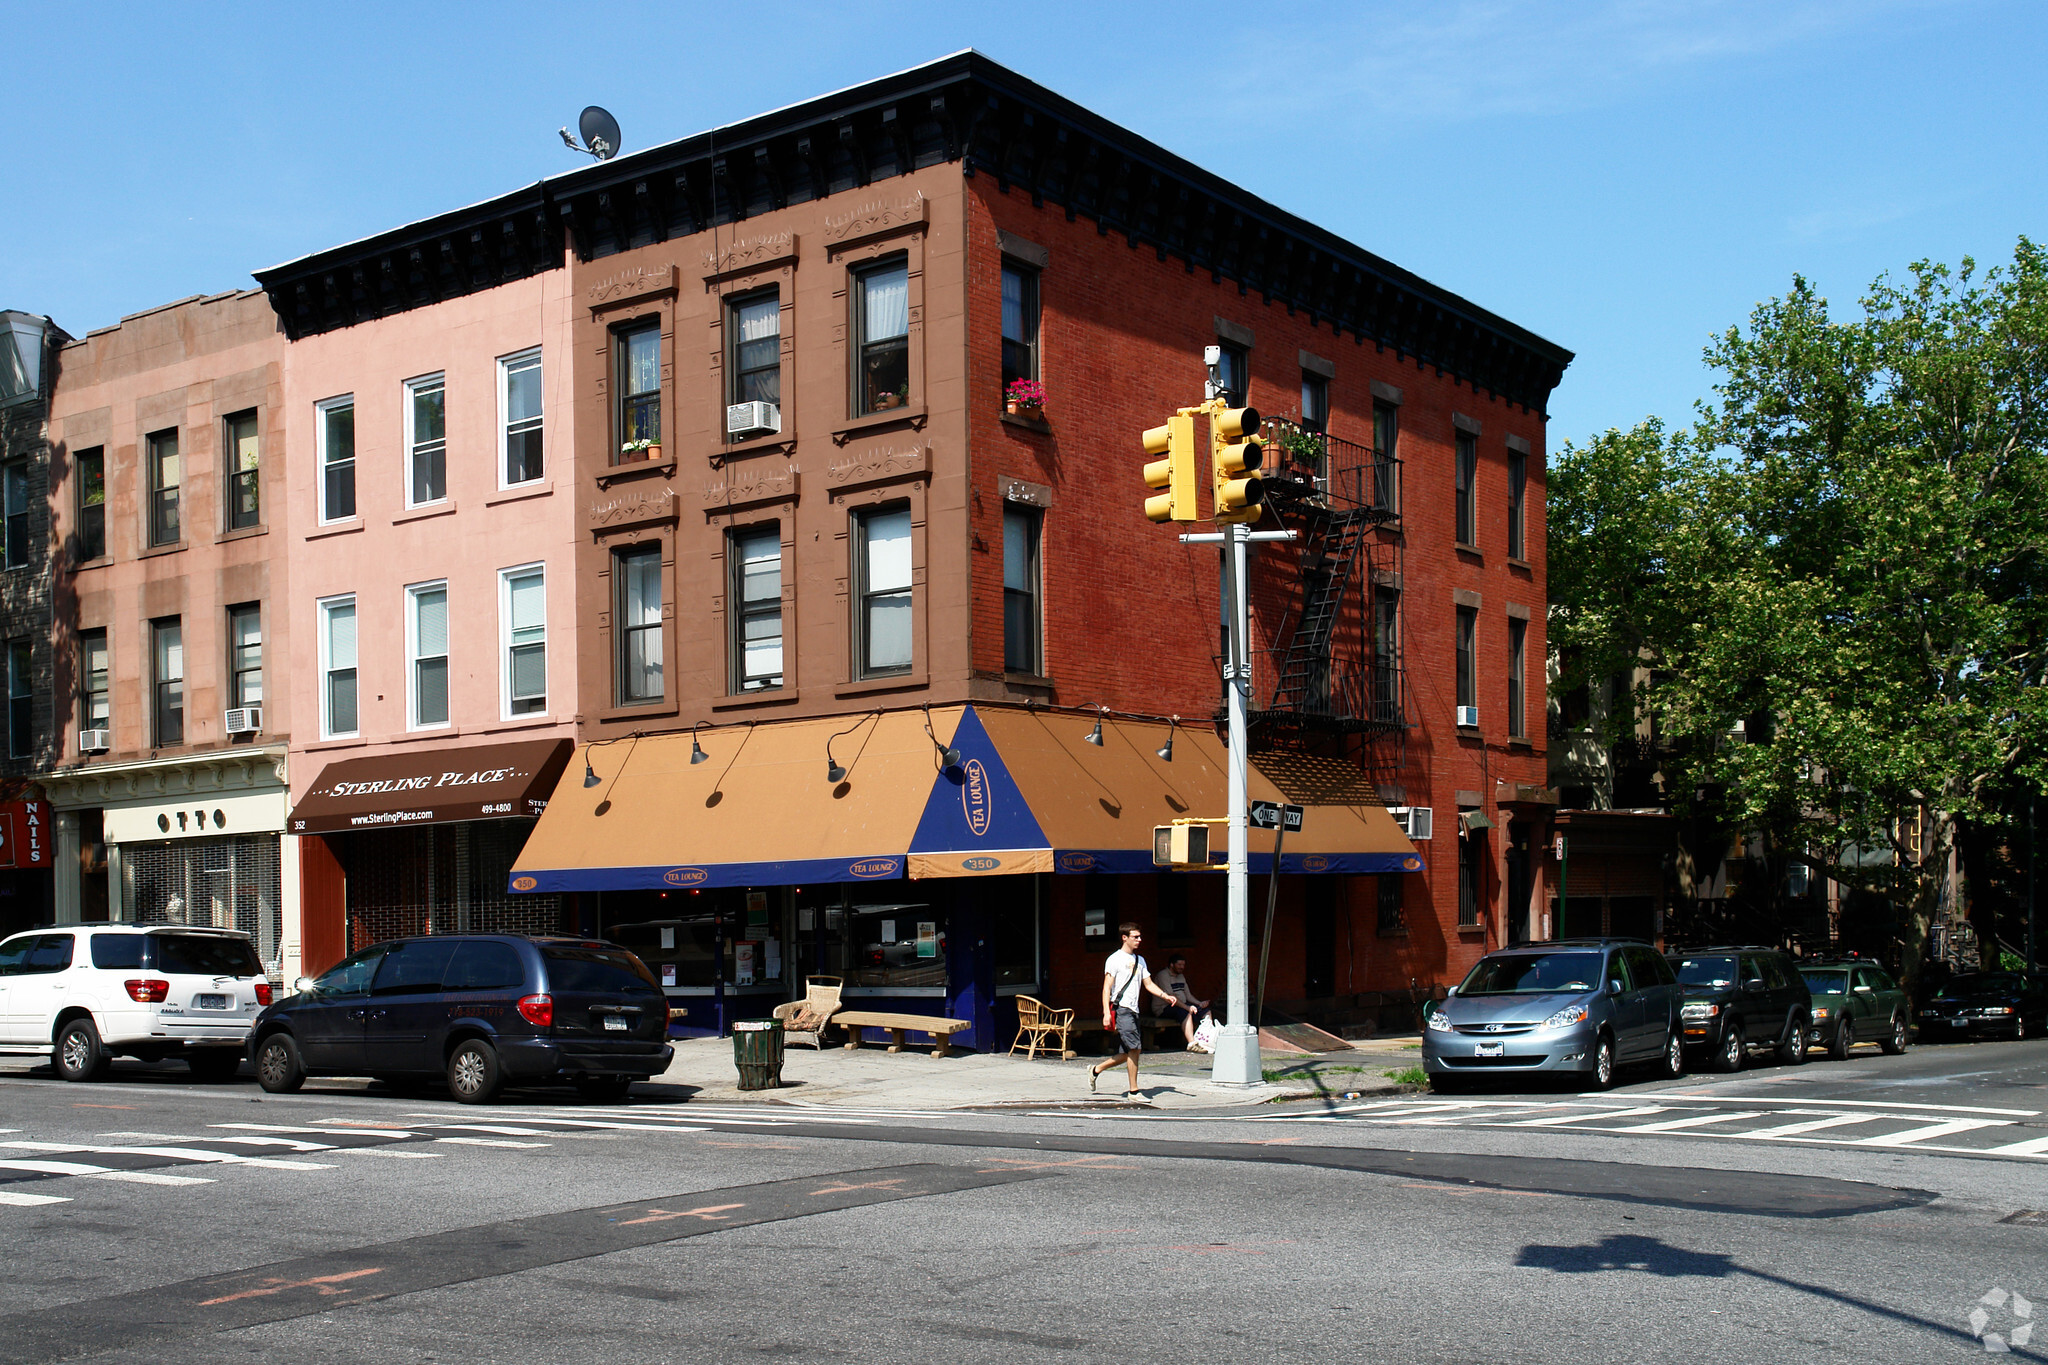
668,877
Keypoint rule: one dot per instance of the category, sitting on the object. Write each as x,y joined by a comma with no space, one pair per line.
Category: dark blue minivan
483,1010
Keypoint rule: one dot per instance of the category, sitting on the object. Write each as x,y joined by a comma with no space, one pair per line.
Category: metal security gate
440,879
230,883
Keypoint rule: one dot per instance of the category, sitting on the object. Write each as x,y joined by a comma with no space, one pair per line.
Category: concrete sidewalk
873,1078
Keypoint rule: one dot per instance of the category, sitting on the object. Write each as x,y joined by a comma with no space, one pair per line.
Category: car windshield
1826,983
598,970
1533,974
1712,970
204,955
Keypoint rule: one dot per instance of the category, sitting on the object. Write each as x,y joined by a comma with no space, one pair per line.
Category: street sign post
1275,815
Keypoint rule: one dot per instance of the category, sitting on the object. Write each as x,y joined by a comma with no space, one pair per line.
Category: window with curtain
1315,402
882,542
429,631
1518,641
1021,528
1233,373
526,641
338,666
93,710
91,470
1518,485
881,315
1468,488
167,681
245,655
637,576
756,647
756,363
244,502
1386,436
519,403
163,471
1468,667
426,439
1020,323
337,430
637,366
21,699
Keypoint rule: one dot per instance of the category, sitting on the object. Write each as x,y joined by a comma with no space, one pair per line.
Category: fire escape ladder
1329,562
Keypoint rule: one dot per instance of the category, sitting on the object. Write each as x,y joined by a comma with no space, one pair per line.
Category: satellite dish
600,133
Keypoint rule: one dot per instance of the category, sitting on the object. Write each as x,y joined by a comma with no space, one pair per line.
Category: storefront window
681,946
884,949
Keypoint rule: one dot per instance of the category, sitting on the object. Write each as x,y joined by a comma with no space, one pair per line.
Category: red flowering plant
1027,394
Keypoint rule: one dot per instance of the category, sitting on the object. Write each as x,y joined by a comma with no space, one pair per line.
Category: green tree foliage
1846,555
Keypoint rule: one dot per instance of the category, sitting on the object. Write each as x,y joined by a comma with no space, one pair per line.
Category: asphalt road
1834,1211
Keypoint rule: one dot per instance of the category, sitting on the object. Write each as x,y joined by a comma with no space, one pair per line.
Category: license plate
1490,1050
614,1023
213,1002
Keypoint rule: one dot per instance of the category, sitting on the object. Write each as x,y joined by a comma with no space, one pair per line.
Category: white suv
86,993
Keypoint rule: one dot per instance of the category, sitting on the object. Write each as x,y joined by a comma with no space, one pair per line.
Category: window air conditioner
1417,822
1468,715
244,720
748,419
95,741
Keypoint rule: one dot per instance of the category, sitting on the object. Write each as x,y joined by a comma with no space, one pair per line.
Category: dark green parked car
1855,1002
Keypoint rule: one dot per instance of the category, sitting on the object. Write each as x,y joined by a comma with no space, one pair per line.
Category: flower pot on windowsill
640,456
1013,405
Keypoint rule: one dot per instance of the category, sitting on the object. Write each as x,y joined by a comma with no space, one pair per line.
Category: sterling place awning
422,787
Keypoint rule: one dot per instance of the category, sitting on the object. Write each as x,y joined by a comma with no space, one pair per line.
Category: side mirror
1753,985
1450,991
1866,990
1613,986
302,985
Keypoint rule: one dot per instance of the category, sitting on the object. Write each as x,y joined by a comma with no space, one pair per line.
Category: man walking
1125,981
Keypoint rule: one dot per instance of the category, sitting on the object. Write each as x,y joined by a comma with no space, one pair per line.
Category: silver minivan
1588,1006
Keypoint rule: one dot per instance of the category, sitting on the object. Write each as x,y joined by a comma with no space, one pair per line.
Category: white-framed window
338,712
756,613
426,440
882,574
426,652
519,419
636,585
336,433
523,618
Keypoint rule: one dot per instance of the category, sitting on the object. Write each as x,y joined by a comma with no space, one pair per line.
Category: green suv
1855,1002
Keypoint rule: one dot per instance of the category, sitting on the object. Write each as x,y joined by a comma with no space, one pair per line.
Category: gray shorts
1127,1031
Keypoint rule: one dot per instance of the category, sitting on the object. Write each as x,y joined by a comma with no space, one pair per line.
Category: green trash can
757,1052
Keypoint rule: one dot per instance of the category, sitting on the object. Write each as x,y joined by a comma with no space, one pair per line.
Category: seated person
1173,979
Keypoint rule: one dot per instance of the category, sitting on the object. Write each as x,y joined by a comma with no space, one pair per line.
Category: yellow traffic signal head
1175,472
1235,455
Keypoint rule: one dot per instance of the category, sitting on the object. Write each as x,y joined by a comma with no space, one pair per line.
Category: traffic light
1184,843
1175,473
1234,457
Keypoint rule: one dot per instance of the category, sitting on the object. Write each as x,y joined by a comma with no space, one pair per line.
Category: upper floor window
1315,402
245,655
337,440
881,321
636,576
163,471
427,644
882,574
21,699
14,478
637,366
93,711
525,613
426,439
1020,323
1386,468
338,711
244,498
1518,489
1468,488
519,417
91,468
167,681
1233,373
1386,654
756,645
1468,657
1518,642
1021,529
755,366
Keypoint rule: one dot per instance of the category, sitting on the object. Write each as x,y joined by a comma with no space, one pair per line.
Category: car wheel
1844,1039
473,1073
1674,1056
604,1089
1729,1056
214,1064
1791,1048
1895,1042
80,1055
1603,1063
278,1068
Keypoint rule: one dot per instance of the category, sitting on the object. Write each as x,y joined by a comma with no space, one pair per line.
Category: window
1021,526
337,430
1389,905
756,646
1468,669
1386,654
21,700
638,366
1315,402
1233,374
427,643
167,681
1471,877
882,573
1020,323
525,613
93,713
245,655
519,417
1468,491
881,318
162,462
426,440
15,480
1518,486
338,666
92,503
756,338
244,504
1386,468
1518,640
637,574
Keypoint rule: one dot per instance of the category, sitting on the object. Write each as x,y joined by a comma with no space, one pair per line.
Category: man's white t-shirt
1129,972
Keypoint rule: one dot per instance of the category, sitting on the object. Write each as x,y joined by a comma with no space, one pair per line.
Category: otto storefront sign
25,834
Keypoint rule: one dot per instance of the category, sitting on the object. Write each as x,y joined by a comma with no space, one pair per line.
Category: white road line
293,1144
501,1129
29,1201
1811,1102
1562,1120
387,1151
152,1178
1675,1125
1785,1130
598,1123
492,1142
2031,1147
1932,1130
328,1132
185,1153
55,1167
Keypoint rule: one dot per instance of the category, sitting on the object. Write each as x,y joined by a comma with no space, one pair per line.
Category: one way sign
1273,815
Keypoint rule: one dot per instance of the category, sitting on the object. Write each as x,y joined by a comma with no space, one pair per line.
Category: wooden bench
941,1030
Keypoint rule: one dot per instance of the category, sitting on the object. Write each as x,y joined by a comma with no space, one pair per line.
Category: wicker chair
1039,1025
821,995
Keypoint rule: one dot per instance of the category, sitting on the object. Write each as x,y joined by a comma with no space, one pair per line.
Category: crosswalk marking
491,1142
2031,1147
29,1201
151,1178
1785,1130
186,1153
387,1151
1560,1120
327,1132
1932,1130
1674,1125
502,1129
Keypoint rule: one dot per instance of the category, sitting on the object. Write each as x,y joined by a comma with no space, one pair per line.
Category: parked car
87,994
1854,1002
483,1010
1580,1005
1988,1004
1741,998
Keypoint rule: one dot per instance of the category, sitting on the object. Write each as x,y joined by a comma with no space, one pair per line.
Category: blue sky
1623,177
